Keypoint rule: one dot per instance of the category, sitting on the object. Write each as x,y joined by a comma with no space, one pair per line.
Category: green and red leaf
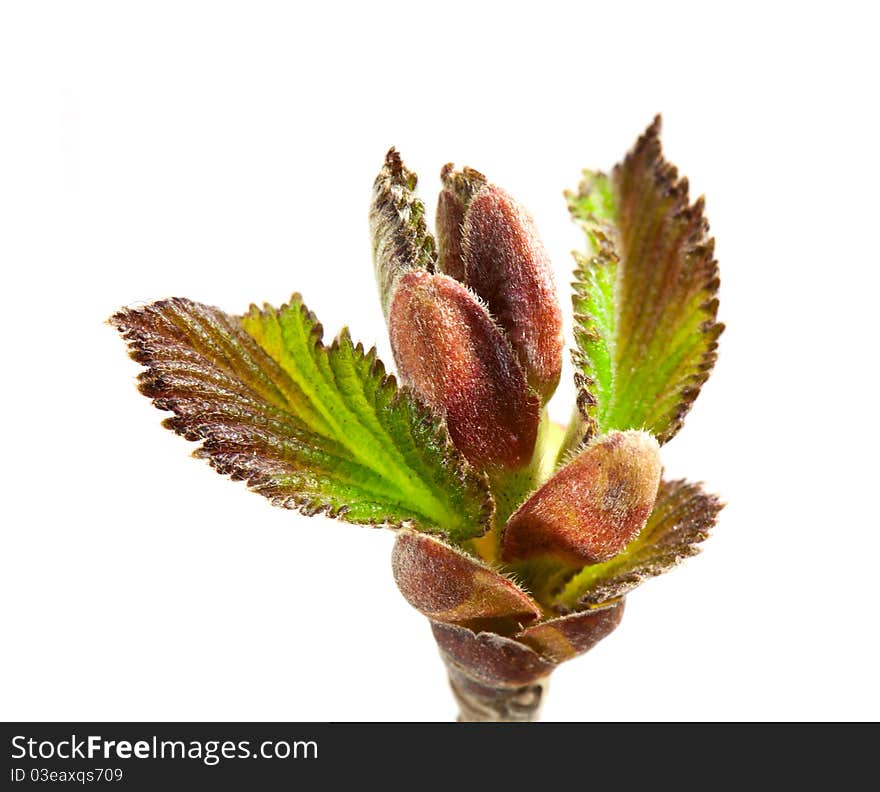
313,427
644,297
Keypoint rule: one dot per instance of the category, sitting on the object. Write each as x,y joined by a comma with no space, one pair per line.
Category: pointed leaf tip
644,297
401,240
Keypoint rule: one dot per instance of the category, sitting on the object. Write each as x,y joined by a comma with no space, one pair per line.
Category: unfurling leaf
488,658
450,586
401,240
644,298
591,508
312,427
682,517
568,636
451,353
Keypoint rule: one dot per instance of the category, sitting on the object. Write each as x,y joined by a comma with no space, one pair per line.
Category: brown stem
478,702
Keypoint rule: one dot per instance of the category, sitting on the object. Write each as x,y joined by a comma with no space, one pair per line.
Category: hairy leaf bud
593,507
451,353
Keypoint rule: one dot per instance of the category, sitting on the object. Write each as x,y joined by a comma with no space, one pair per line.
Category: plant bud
447,585
593,507
506,265
451,353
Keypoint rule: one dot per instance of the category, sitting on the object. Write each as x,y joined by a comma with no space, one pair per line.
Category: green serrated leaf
682,517
644,298
311,427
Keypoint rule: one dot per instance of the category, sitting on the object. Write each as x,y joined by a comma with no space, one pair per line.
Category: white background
226,153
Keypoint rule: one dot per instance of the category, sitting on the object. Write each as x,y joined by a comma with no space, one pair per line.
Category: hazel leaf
644,297
682,517
311,427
